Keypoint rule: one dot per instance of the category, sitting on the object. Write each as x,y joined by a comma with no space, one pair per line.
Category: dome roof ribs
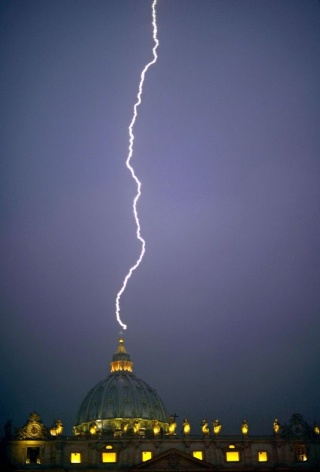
120,402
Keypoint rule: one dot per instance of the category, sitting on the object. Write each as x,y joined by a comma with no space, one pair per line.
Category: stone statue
57,429
186,426
205,427
125,426
172,425
136,427
93,428
244,427
276,426
156,427
217,427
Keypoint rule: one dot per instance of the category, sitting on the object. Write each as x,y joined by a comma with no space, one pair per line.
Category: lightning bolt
131,169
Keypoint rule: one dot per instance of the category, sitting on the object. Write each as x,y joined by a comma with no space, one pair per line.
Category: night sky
223,314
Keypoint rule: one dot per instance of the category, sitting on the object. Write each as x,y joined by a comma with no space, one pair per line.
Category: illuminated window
232,456
146,456
198,455
109,457
75,457
262,456
33,455
300,453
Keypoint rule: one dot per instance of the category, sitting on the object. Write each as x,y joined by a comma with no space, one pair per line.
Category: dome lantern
121,358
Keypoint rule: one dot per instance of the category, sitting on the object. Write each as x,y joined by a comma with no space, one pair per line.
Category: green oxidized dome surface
120,400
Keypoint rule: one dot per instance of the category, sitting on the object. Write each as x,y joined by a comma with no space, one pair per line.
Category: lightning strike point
131,169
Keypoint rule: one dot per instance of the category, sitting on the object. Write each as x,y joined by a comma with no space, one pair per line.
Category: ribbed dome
121,402
121,395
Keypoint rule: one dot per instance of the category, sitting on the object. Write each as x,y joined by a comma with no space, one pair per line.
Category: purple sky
223,314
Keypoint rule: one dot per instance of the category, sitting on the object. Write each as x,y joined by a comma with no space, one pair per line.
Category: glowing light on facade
75,458
262,456
232,456
131,169
146,456
198,455
109,457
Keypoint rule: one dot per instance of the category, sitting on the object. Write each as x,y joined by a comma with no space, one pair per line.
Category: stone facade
299,451
123,425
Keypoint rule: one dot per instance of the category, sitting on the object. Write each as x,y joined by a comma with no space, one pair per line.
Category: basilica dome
122,403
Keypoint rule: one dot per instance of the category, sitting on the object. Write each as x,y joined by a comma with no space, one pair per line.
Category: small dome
121,403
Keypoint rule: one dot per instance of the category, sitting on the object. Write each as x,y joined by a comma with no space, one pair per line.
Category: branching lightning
130,153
